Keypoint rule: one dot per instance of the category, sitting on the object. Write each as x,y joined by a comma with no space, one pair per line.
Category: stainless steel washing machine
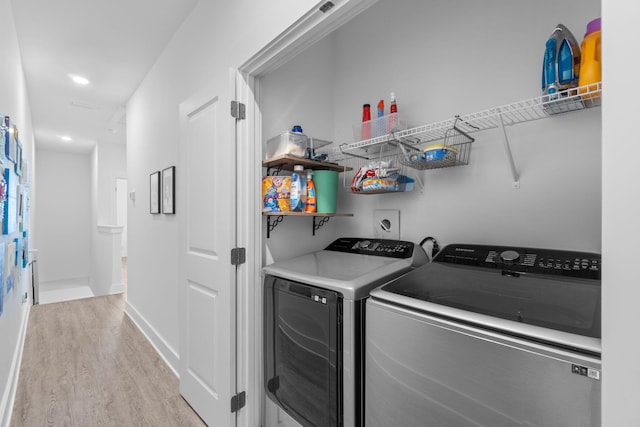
313,326
487,336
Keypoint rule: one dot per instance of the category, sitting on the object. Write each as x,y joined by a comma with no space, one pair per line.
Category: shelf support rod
507,147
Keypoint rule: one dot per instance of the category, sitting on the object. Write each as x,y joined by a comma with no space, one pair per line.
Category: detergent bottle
590,66
310,206
298,189
561,63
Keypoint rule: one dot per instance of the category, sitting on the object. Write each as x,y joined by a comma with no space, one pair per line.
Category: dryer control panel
582,265
377,247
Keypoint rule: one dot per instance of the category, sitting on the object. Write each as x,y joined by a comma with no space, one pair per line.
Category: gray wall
441,62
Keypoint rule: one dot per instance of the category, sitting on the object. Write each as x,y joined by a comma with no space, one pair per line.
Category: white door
121,212
206,203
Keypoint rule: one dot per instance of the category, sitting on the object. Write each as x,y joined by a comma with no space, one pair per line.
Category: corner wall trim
164,350
9,395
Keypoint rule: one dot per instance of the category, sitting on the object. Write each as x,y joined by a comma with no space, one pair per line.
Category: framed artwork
1,275
11,143
18,165
10,265
25,249
9,220
168,190
7,137
154,193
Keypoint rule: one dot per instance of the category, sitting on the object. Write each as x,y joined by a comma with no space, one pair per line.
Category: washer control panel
376,247
584,265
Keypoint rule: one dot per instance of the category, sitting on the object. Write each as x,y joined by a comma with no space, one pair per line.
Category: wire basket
381,173
454,151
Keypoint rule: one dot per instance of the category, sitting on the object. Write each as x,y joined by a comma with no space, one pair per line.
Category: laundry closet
536,183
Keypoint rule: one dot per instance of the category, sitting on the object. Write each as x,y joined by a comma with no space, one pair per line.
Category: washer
487,336
313,328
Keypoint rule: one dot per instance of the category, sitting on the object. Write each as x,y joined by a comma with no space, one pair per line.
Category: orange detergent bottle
311,194
590,67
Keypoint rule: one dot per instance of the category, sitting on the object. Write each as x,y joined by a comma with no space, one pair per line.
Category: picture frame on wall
2,249
9,265
154,193
168,190
10,211
11,144
18,164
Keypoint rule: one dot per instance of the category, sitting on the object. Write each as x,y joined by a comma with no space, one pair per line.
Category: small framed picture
154,192
168,190
18,164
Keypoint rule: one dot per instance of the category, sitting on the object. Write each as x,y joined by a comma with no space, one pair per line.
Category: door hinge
238,256
238,401
237,110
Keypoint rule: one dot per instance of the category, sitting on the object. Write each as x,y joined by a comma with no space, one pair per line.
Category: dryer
314,317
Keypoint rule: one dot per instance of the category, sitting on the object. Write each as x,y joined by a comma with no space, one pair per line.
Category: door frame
310,28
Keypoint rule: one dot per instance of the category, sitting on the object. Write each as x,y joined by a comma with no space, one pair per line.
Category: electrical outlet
386,224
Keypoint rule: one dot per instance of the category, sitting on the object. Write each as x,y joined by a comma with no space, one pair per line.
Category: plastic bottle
393,116
310,206
298,193
590,65
366,121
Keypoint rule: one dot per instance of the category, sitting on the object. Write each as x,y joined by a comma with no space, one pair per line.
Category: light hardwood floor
86,364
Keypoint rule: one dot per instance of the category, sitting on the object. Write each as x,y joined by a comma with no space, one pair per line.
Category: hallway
86,364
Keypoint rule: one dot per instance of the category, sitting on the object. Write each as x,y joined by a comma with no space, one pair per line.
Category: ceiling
112,43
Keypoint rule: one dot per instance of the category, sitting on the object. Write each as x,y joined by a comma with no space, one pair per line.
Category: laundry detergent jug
561,64
590,68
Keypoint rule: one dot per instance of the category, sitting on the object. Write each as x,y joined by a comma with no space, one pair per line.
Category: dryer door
303,354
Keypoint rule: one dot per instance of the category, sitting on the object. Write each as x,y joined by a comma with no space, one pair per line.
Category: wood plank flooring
86,364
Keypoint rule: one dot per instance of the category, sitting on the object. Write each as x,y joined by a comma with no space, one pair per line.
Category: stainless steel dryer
487,336
313,326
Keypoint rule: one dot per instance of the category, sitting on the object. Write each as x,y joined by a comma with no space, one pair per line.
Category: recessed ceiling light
65,138
79,79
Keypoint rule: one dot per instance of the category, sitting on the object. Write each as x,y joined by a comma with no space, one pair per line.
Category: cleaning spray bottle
561,63
311,194
393,114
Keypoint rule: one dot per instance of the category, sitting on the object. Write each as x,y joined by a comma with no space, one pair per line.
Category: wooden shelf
308,214
287,162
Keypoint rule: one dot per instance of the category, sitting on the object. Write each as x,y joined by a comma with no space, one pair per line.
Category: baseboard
166,352
9,396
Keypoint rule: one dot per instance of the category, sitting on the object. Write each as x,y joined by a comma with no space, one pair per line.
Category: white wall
213,38
13,102
63,218
621,211
440,63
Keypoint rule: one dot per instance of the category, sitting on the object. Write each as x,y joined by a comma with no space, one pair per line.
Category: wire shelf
528,110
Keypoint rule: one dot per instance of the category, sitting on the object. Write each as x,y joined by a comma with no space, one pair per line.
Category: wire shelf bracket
507,148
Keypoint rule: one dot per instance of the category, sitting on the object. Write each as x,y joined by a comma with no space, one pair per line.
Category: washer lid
353,275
